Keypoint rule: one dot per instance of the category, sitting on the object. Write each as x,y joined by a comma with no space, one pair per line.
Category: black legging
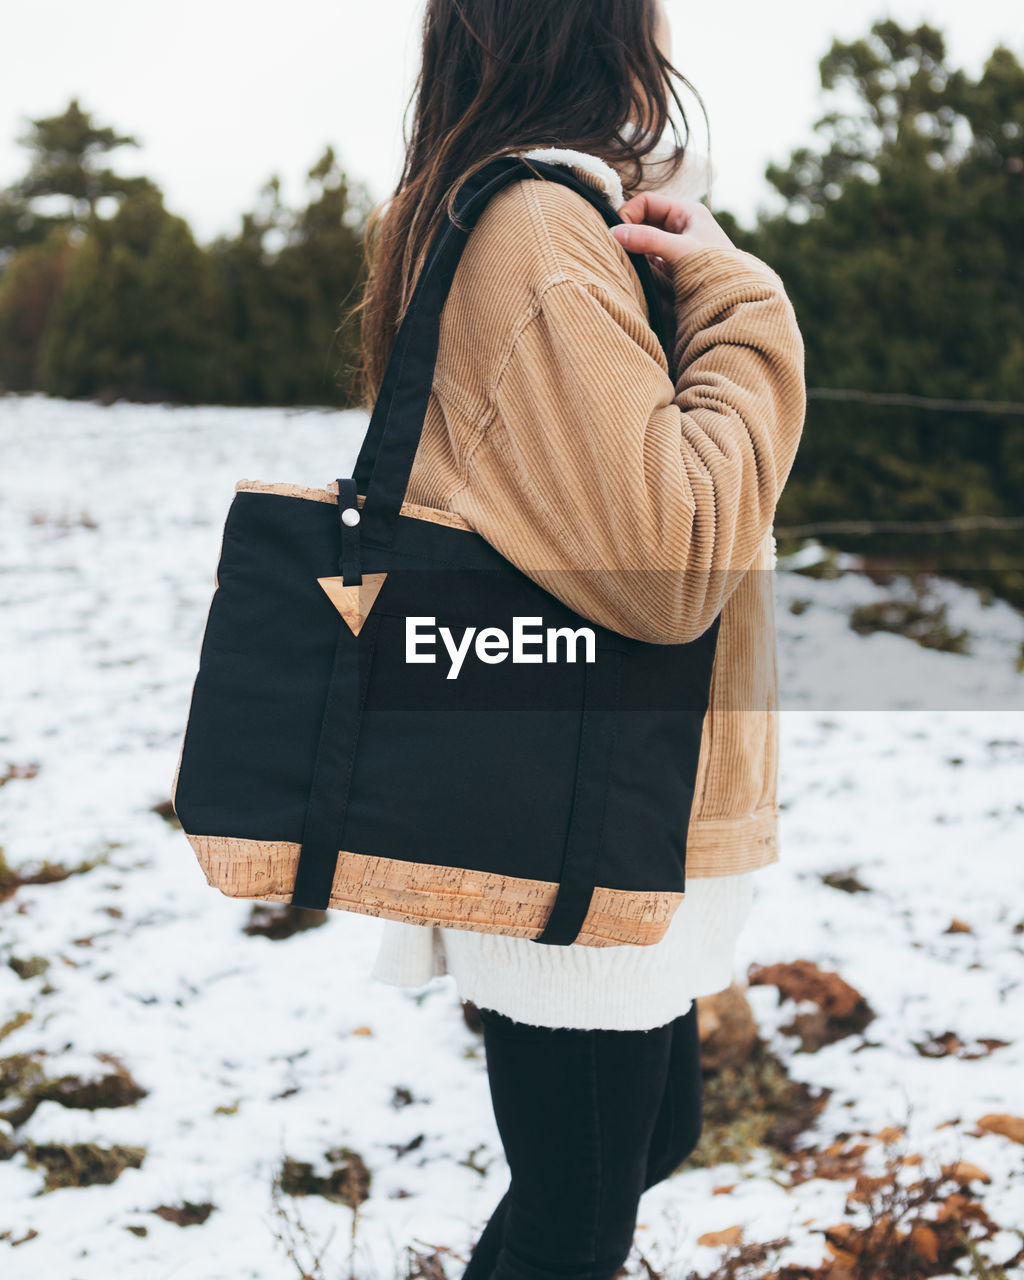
589,1120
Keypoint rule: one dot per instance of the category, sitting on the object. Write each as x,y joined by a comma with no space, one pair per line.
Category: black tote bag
331,758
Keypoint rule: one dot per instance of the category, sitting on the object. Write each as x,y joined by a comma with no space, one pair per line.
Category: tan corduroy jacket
558,432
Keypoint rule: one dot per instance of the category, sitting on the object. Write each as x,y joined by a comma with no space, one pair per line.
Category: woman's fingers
640,238
655,224
659,211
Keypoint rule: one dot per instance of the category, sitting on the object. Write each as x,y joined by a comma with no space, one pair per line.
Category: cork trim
423,893
330,494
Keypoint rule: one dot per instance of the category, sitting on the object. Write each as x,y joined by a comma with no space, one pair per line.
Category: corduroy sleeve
638,502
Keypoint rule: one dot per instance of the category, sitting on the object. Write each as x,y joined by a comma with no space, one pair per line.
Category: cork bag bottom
423,893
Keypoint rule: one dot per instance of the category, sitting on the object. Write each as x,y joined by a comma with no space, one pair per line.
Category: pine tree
285,284
28,289
67,154
137,315
902,247
66,159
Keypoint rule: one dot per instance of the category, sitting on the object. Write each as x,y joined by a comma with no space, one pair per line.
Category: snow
901,763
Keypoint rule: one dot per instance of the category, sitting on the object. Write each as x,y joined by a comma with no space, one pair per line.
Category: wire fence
917,402
956,524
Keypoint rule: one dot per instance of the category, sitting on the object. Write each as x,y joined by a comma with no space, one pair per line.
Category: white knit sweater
625,988
628,988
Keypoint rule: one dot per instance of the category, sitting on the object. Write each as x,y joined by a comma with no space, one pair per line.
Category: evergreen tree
284,284
318,274
67,154
136,315
20,226
255,349
28,289
902,247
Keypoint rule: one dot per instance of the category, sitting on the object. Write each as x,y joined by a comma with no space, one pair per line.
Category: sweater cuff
716,269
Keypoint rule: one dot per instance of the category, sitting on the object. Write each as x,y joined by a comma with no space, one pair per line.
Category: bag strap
386,457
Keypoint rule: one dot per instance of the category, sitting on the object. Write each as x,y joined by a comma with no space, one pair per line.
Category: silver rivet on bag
350,516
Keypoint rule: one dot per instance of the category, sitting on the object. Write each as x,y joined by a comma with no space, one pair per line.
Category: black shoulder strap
385,459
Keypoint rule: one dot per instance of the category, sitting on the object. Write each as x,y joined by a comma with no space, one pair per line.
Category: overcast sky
221,94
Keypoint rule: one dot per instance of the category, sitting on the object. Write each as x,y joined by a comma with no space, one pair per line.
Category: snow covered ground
252,1049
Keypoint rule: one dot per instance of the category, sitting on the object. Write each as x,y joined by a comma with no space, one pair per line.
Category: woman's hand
667,230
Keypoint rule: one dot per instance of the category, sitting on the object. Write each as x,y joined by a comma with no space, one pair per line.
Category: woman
550,380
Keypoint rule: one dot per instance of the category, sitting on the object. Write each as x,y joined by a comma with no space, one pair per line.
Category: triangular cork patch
354,603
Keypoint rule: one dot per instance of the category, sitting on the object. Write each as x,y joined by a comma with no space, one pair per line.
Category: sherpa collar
691,181
590,168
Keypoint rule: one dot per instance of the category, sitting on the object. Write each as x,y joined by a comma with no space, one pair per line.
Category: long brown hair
500,76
